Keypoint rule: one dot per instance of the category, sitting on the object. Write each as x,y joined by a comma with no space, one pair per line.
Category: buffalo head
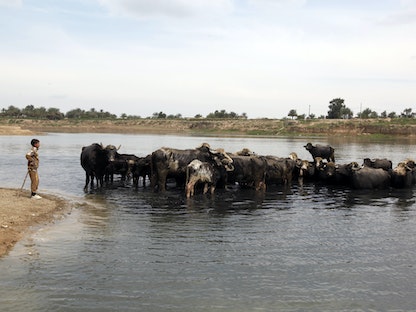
221,158
111,152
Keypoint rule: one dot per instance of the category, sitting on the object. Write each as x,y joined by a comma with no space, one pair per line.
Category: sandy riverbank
19,214
14,130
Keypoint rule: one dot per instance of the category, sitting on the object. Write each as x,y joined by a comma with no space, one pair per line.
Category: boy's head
34,142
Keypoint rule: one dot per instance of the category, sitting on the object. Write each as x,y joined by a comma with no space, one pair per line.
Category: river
307,248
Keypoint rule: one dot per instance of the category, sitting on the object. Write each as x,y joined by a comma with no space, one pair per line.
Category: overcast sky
259,57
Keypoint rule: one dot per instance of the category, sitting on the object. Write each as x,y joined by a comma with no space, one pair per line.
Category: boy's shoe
36,197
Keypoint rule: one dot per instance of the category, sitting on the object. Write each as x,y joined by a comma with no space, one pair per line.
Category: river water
309,248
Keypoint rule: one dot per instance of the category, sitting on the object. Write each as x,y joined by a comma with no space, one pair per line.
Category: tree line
53,113
31,112
338,110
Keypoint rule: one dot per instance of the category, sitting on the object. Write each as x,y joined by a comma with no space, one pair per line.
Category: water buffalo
403,175
203,172
324,151
118,163
369,178
169,162
122,164
378,163
279,170
94,160
249,171
343,173
141,169
326,172
304,169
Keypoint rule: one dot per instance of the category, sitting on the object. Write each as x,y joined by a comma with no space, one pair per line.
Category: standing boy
32,167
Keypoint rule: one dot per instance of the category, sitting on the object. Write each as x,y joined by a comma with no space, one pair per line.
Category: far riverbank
217,127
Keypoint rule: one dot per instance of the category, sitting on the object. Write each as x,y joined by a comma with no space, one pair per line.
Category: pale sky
259,57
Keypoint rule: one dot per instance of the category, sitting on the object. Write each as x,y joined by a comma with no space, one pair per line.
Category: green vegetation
337,110
31,112
224,115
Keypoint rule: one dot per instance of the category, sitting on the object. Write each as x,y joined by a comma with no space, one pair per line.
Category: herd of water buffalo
211,169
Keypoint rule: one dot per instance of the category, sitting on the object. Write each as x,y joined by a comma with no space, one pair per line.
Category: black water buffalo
343,173
368,178
112,155
304,169
118,163
324,151
122,164
94,160
378,163
326,172
141,169
169,162
403,175
412,164
203,172
249,171
279,170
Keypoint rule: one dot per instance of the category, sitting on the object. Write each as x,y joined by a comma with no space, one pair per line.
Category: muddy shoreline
19,214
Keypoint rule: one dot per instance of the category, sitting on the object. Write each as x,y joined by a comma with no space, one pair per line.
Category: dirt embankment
14,130
217,127
19,213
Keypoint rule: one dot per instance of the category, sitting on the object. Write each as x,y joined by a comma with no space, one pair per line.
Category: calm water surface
309,248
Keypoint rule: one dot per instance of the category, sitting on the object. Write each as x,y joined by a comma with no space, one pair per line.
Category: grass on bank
249,127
